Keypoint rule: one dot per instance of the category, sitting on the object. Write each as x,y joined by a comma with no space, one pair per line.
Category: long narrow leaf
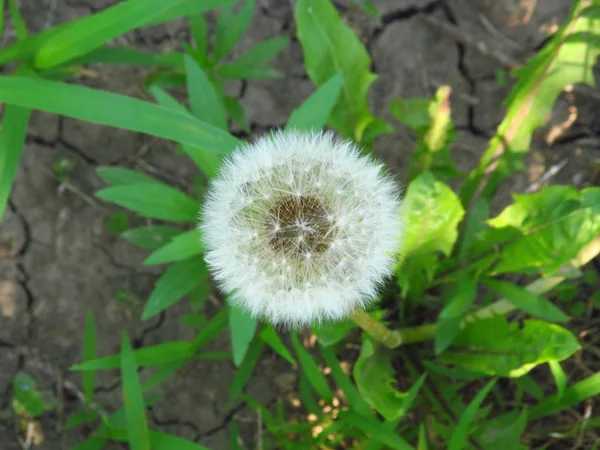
311,370
114,110
242,326
316,109
17,20
12,139
180,247
134,399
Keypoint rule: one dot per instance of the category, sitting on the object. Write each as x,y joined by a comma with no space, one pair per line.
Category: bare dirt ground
58,259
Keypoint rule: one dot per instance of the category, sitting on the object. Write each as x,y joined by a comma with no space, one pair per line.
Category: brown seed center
299,226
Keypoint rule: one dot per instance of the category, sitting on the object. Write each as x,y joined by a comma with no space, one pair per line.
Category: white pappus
300,227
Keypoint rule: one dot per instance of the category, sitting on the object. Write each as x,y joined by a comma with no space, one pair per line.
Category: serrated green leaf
242,326
547,229
178,280
121,175
180,247
316,109
330,46
114,110
565,60
431,212
135,410
154,200
462,430
230,28
156,355
90,349
150,237
12,139
496,347
527,301
269,335
311,370
375,379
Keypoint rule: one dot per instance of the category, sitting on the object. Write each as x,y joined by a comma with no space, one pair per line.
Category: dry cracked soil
58,258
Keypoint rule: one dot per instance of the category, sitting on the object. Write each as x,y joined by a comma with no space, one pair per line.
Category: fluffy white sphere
300,227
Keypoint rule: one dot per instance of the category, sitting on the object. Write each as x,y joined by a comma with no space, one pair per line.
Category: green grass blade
189,8
212,329
121,175
156,355
114,110
204,99
311,370
1,18
461,432
527,301
200,37
93,31
269,335
373,427
181,247
243,327
135,410
560,377
178,280
153,200
230,28
150,237
588,388
315,111
245,370
17,20
12,139
90,350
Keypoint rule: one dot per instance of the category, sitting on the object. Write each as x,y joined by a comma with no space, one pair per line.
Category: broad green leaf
156,355
230,28
93,31
205,102
375,379
474,225
588,388
356,402
165,99
566,60
212,329
316,109
150,237
180,247
178,280
527,301
12,139
458,298
330,47
269,335
90,350
135,410
311,370
154,200
114,110
463,428
131,57
504,432
17,20
242,326
548,228
122,175
431,212
497,347
375,429
560,377
244,371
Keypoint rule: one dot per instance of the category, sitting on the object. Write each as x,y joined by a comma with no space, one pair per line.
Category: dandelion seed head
321,225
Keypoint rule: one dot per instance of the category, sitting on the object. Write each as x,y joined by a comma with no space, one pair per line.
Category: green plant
488,282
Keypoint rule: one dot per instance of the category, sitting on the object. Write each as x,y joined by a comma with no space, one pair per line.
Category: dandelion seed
324,233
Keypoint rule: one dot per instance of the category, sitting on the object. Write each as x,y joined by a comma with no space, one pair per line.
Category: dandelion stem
396,338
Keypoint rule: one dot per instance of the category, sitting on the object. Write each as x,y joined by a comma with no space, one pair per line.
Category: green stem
396,338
